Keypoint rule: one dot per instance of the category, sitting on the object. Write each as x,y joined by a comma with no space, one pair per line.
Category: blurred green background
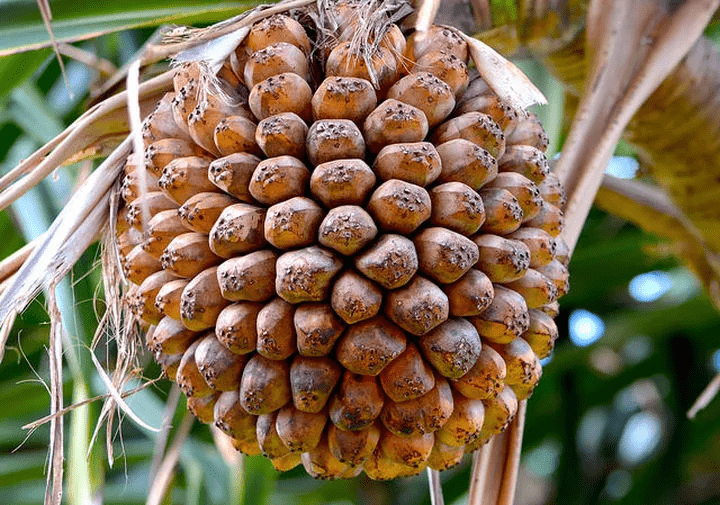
607,424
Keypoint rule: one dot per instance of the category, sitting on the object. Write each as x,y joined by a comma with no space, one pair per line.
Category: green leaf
17,68
75,20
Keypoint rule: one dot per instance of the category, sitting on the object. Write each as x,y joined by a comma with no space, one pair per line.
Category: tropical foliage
607,424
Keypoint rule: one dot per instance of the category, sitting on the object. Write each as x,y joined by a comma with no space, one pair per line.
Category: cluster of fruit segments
350,264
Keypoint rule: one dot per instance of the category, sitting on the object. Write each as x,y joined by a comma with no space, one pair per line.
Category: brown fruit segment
499,413
133,187
551,309
161,230
529,132
522,188
503,114
409,451
367,347
139,265
144,299
265,386
334,139
277,28
400,206
437,38
248,278
416,162
344,98
408,376
552,191
519,358
537,289
562,251
550,218
352,447
184,102
282,134
232,174
276,330
212,109
503,213
247,447
201,301
188,377
317,328
270,443
476,127
160,153
184,177
541,334
300,431
238,230
452,348
425,414
470,295
169,363
354,298
357,402
417,307
444,456
505,319
465,424
393,122
167,300
484,380
236,327
501,259
287,462
426,92
293,223
525,160
342,182
203,408
312,380
171,337
541,245
277,58
445,255
277,179
220,367
466,162
391,261
232,419
320,463
380,467
200,211
343,61
346,229
558,275
156,202
305,275
458,207
160,124
236,134
447,67
287,92
188,254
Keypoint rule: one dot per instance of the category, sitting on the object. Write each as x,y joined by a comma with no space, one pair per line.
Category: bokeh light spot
650,286
585,327
640,437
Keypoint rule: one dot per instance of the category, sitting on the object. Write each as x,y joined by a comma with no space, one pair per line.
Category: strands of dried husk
610,101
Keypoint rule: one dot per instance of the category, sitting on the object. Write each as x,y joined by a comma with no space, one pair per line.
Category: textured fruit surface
350,262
